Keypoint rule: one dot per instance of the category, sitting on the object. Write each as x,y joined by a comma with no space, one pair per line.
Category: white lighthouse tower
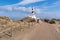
32,15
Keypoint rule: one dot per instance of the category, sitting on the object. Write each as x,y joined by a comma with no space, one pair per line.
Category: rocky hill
4,19
28,19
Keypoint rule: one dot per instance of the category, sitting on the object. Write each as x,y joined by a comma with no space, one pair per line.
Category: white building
32,15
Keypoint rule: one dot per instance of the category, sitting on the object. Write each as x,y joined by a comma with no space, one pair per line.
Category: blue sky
21,8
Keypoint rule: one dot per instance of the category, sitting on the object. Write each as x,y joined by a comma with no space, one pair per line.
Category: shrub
46,20
52,22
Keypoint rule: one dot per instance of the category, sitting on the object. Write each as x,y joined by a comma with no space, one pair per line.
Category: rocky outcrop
28,19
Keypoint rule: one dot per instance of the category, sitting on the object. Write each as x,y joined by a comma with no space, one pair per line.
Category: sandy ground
44,31
41,31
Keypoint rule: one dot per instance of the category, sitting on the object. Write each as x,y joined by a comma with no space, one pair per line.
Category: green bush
52,22
46,20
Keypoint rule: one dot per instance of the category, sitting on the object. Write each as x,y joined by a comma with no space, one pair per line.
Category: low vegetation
5,22
28,19
46,20
49,21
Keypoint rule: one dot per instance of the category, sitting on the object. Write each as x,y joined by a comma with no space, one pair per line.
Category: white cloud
24,9
29,9
7,8
20,9
14,7
24,2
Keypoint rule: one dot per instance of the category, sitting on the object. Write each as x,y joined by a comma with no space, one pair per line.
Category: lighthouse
32,15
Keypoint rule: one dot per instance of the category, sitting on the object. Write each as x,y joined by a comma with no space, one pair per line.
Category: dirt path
44,31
